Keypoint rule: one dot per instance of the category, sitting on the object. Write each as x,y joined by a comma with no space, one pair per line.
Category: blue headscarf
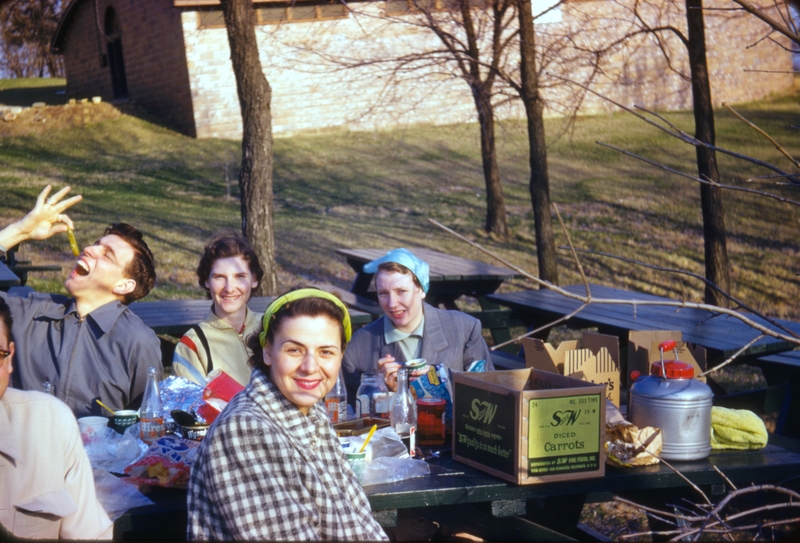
404,257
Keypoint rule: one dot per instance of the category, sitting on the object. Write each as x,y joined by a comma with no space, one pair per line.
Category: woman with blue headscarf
410,328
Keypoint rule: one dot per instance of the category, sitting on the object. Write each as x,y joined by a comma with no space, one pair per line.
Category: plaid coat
265,471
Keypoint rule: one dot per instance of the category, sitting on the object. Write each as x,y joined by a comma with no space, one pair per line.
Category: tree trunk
495,202
539,185
255,175
716,252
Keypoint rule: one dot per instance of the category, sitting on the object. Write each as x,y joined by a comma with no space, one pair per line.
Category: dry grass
357,189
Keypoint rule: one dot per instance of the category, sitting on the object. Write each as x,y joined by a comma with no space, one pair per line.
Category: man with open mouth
89,346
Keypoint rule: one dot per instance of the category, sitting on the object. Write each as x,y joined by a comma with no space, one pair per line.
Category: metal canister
670,398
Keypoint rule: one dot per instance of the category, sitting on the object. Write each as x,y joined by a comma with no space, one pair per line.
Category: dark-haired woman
228,271
271,467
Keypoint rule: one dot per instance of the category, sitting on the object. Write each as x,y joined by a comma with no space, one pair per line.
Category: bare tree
26,29
480,43
716,251
255,174
646,19
539,185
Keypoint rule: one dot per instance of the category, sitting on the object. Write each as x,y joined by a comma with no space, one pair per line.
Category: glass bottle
370,390
49,388
151,417
404,412
336,400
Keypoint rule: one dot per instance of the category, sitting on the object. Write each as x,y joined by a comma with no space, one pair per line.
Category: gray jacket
450,338
103,355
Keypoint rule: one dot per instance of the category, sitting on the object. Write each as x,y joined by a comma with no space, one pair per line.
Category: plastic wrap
112,451
387,458
115,496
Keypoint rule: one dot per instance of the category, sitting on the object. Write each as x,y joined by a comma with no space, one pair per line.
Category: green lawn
365,189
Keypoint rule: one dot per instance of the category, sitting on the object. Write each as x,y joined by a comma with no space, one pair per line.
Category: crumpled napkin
387,458
736,429
628,445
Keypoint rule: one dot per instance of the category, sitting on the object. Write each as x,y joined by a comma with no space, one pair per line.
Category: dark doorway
115,62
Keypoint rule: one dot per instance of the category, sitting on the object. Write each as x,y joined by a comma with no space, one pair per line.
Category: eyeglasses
4,354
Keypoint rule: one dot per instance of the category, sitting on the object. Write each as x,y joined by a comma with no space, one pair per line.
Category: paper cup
125,418
357,461
92,428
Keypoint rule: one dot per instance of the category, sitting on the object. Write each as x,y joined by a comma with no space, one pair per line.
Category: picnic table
784,368
450,278
721,335
494,509
21,268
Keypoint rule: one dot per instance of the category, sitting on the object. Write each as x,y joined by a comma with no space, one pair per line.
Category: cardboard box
595,358
529,426
643,351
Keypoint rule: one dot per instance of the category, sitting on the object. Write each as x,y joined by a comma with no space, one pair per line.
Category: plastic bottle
336,401
370,389
404,412
151,416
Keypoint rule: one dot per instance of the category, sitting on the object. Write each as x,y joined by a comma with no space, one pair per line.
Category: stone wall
639,74
153,50
311,91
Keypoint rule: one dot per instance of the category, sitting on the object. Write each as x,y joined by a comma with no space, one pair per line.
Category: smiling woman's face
230,283
400,298
304,359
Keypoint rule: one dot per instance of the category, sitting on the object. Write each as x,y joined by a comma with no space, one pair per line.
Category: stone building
172,57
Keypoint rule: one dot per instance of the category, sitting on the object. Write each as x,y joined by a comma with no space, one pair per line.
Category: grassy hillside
358,189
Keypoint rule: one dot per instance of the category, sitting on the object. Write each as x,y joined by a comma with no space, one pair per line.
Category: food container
124,418
674,401
92,429
195,433
430,422
356,427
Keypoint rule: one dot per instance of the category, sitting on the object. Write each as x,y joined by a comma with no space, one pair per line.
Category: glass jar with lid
372,398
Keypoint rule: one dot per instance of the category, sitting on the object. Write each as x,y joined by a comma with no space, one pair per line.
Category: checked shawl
265,471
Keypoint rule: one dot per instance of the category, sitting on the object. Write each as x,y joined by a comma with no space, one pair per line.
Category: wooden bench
170,319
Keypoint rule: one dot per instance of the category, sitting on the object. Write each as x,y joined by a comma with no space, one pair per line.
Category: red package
218,392
221,386
166,463
208,412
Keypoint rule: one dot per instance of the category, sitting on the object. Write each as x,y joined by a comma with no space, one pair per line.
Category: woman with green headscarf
271,466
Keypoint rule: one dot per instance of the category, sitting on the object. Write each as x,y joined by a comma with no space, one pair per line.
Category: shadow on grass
27,96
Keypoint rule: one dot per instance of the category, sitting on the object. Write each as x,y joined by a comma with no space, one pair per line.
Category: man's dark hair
226,244
142,267
6,318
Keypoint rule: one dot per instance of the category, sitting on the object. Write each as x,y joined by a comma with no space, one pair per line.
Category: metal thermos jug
671,398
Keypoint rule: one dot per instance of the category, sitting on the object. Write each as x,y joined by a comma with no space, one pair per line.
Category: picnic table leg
479,520
361,284
558,513
788,423
502,334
